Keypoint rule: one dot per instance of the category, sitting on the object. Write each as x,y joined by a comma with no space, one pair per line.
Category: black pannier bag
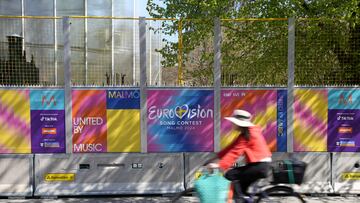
288,171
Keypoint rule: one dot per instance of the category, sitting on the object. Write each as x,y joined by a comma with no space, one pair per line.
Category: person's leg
235,175
253,172
243,177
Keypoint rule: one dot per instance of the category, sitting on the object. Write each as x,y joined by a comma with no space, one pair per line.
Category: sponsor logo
46,118
88,147
48,131
345,130
346,143
50,144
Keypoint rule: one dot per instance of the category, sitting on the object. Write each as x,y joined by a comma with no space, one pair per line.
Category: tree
254,52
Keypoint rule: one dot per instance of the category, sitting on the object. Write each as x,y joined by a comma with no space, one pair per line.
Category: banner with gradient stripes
310,120
15,121
262,104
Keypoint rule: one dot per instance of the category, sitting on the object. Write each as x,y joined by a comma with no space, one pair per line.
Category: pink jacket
254,150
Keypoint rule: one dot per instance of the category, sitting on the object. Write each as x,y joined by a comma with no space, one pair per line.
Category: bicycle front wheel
280,194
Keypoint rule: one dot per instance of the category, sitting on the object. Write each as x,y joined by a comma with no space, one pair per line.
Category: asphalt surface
160,199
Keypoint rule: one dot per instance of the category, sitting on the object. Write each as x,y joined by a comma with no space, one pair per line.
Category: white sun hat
240,118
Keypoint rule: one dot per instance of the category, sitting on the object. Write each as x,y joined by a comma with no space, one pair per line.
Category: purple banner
48,131
343,130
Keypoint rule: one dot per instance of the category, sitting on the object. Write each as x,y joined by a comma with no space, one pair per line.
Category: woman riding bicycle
251,144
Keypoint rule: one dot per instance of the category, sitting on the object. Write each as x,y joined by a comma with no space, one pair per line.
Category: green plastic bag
212,188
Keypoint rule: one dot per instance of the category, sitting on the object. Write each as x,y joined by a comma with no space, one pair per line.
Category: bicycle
274,192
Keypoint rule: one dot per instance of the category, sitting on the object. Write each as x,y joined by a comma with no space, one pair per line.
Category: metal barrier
16,177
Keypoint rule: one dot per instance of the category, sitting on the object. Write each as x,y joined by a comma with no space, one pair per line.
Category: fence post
291,82
67,84
143,88
217,83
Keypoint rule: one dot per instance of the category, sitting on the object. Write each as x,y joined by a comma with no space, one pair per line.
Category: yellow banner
123,130
351,176
60,177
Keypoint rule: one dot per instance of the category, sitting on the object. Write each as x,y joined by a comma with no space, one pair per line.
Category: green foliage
255,52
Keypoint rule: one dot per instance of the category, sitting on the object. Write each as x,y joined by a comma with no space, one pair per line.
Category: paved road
152,199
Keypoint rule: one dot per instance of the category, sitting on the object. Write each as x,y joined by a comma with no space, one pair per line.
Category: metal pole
217,83
143,79
86,42
134,44
67,84
290,88
55,46
113,82
180,47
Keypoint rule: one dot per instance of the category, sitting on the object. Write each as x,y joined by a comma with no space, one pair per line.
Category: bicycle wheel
184,196
280,194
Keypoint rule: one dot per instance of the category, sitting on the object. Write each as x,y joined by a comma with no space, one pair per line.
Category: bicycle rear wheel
280,194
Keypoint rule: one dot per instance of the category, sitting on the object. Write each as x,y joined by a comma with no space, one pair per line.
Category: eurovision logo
183,111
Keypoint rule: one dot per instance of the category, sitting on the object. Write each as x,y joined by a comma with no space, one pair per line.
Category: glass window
39,8
39,38
77,38
99,36
10,7
70,8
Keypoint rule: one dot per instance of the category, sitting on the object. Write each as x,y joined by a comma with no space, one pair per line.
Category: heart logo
180,112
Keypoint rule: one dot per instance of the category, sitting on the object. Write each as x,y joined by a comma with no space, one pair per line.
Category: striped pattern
310,120
15,121
260,103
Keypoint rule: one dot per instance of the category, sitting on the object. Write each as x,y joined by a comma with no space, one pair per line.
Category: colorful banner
89,121
47,121
262,104
15,134
123,121
344,120
310,120
180,120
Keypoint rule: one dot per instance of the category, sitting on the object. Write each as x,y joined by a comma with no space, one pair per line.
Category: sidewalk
156,199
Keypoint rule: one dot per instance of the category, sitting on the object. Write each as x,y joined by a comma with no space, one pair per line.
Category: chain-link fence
254,52
105,52
28,51
327,52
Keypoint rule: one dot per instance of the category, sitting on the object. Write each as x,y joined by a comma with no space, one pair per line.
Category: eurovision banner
344,120
15,128
180,121
89,121
268,108
47,121
310,120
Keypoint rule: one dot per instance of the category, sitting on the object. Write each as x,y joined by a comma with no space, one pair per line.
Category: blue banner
47,99
344,98
281,120
123,99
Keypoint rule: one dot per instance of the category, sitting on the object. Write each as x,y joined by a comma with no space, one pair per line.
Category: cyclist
249,143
